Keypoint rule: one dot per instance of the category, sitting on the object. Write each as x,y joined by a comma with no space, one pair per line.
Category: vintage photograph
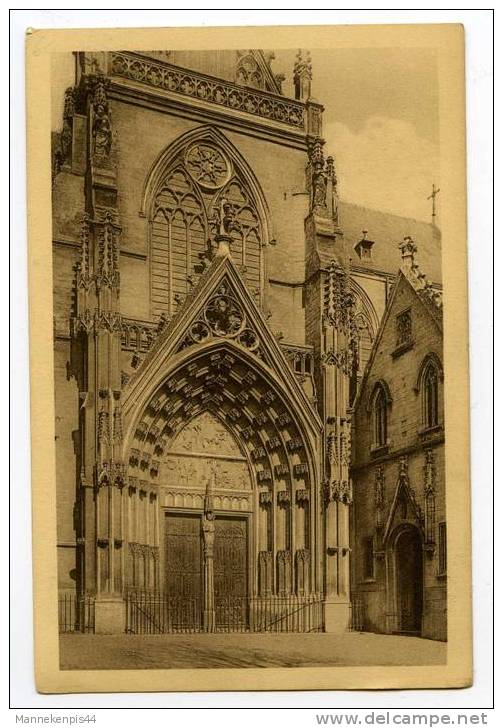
248,353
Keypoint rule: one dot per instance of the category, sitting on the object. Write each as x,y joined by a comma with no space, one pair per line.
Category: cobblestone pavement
103,652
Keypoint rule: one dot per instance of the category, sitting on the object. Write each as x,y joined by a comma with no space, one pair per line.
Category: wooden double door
409,560
184,568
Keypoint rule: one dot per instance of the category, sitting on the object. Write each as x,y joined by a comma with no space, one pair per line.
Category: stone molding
167,77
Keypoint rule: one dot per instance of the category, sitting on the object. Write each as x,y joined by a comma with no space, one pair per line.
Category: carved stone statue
319,187
102,131
226,219
208,526
102,122
208,520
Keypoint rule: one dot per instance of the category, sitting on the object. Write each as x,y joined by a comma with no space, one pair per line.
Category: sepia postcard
249,358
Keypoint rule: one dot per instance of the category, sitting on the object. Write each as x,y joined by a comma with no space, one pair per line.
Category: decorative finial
302,76
408,249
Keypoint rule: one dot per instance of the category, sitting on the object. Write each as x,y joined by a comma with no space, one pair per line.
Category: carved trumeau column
208,528
96,348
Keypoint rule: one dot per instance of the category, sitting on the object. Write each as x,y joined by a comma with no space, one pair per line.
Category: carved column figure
208,529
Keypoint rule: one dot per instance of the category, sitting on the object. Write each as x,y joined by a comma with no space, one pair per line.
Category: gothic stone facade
215,305
399,514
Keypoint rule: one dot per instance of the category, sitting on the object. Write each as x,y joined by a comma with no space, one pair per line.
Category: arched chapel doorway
409,580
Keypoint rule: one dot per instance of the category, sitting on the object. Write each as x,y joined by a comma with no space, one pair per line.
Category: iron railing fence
150,613
156,613
75,613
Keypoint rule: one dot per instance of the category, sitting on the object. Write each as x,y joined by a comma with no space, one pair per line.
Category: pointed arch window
428,386
380,419
380,405
183,210
430,397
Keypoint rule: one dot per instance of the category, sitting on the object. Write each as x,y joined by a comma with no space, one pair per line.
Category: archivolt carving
204,428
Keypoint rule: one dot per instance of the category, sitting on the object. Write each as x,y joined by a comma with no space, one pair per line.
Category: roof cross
434,193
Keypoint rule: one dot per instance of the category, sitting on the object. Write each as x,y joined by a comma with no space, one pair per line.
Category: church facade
216,307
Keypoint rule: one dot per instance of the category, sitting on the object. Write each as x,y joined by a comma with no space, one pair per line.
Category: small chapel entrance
409,574
187,591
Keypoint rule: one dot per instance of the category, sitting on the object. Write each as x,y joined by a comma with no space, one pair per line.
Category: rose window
207,166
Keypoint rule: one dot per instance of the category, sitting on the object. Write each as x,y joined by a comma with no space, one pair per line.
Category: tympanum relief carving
205,450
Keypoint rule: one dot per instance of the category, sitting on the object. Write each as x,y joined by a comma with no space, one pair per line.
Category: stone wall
406,437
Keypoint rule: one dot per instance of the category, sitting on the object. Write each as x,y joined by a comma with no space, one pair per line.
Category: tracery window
380,403
248,72
183,224
430,396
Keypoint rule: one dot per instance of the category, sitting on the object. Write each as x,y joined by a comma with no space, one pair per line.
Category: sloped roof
387,231
430,297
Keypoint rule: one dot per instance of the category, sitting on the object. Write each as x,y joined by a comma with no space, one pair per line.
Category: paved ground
104,652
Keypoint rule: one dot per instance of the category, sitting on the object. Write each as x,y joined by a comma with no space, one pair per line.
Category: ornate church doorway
205,543
186,557
409,572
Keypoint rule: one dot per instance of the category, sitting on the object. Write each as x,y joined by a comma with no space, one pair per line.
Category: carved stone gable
223,316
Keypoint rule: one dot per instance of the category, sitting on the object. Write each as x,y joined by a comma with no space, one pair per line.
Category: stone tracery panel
184,218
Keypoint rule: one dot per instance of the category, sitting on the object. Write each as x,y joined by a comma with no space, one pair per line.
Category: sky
380,121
